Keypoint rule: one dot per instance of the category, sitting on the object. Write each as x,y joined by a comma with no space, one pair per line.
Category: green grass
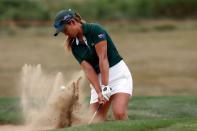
164,113
140,125
10,111
163,107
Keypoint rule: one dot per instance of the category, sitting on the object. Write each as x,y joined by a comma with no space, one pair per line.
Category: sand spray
49,101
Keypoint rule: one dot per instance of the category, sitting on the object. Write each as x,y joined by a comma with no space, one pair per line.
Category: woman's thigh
119,105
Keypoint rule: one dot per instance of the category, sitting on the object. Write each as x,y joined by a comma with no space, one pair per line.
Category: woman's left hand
106,92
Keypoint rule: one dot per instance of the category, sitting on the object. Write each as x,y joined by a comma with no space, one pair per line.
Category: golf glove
106,92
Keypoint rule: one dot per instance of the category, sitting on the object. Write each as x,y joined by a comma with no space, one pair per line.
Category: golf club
98,108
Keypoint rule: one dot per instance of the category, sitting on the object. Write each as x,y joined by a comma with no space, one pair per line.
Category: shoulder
97,30
96,26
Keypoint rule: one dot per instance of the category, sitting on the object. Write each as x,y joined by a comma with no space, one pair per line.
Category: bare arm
91,75
101,49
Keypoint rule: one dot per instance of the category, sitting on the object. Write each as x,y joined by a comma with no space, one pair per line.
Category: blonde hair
69,40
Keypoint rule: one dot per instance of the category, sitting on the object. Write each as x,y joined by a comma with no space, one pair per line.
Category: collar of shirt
86,29
84,39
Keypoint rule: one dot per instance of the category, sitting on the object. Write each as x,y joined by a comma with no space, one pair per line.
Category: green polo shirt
94,33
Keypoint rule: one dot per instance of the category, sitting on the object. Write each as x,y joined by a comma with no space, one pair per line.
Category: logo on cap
67,17
102,36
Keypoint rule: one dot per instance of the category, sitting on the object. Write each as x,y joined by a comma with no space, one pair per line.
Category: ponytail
79,19
69,43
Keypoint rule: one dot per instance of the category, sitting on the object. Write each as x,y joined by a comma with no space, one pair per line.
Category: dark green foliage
23,10
99,9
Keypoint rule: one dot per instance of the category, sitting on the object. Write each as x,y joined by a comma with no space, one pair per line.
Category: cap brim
59,30
56,33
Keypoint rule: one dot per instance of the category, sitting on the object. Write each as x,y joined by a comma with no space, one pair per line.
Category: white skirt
120,81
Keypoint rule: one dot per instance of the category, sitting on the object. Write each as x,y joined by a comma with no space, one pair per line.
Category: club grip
99,106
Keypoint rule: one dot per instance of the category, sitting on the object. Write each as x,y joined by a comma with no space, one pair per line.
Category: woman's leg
119,105
102,113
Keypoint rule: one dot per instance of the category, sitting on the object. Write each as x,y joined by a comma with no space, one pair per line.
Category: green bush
175,8
21,9
135,9
99,9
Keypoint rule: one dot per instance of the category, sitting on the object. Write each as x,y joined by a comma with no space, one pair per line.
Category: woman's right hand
101,99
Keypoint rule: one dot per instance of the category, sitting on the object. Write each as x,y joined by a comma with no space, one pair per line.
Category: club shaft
98,108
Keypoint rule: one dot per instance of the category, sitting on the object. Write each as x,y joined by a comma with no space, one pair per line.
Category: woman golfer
110,78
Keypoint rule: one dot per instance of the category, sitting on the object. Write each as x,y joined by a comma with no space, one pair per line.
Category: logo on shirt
101,36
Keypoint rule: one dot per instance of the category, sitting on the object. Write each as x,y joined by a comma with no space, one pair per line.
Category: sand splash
45,105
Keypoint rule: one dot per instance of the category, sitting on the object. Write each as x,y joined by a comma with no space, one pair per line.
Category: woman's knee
120,115
119,106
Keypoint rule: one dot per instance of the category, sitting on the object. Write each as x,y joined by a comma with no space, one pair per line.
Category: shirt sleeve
98,34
